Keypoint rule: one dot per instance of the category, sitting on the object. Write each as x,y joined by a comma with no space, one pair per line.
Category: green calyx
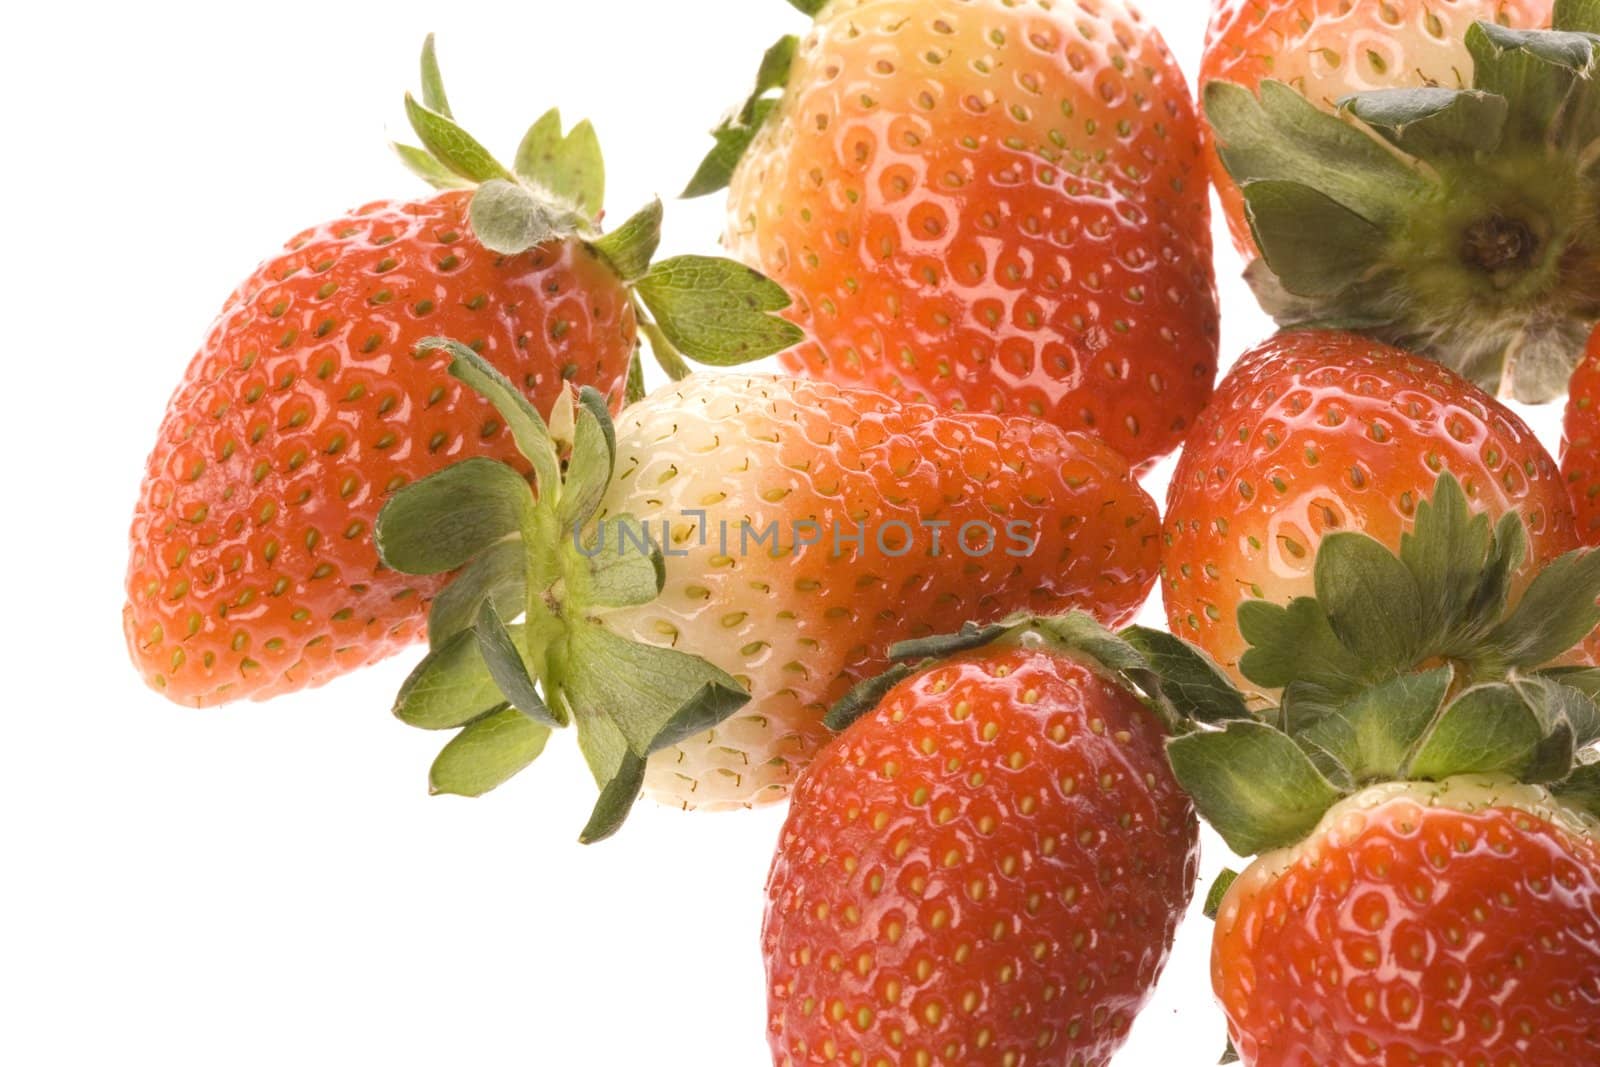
705,308
1462,224
518,648
1405,666
1180,684
738,130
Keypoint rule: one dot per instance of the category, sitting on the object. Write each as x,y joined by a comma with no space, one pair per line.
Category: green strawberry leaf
717,311
1372,735
1445,552
499,574
1577,16
1582,789
1295,643
1253,784
453,146
423,165
433,97
447,519
451,686
941,646
1536,69
502,656
1432,121
736,133
509,219
622,566
487,753
635,390
630,247
866,695
1489,729
1492,592
1315,245
1557,612
1556,700
527,428
1371,600
1219,892
648,692
1189,678
616,801
570,167
590,468
1585,719
667,355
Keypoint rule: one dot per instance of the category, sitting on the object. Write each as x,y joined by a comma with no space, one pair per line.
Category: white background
271,884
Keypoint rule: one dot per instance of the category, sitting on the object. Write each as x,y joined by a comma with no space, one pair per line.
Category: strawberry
252,570
986,869
731,558
1329,50
1459,220
1315,432
1580,443
1425,803
992,206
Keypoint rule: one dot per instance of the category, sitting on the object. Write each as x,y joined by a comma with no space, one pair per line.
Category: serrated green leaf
1219,891
1445,551
1281,136
1190,679
1432,121
1489,729
1585,719
502,656
1557,612
527,427
1577,16
447,519
509,219
866,695
487,753
1316,246
734,136
634,391
1491,593
616,801
452,146
1295,643
1372,735
717,311
498,574
642,689
589,470
630,247
430,170
571,167
450,687
1370,598
433,96
1253,784
613,570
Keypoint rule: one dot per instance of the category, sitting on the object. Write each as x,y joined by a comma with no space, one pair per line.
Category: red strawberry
1327,50
1427,799
1449,206
1580,444
252,570
987,869
798,529
1317,432
988,205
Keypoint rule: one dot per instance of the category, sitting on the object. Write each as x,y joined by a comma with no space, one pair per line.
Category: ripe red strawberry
992,206
252,570
1437,924
986,869
800,529
1315,432
1580,444
1448,207
1327,50
1427,799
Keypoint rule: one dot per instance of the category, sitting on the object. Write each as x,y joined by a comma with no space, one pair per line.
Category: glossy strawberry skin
988,869
1313,432
1580,443
252,570
995,207
1329,49
1411,932
714,453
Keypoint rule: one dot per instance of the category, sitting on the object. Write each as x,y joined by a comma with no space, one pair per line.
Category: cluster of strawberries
982,235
